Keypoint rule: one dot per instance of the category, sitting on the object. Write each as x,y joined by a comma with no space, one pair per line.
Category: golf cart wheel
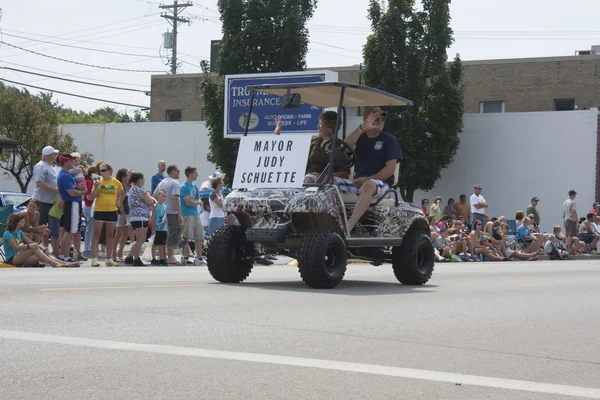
413,260
322,259
230,255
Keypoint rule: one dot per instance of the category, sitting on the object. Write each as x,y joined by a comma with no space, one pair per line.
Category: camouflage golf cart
309,222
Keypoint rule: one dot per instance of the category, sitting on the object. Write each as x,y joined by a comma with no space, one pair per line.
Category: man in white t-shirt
478,205
46,187
172,187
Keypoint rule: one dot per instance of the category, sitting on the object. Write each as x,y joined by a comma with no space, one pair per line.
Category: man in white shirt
478,205
172,187
46,188
571,218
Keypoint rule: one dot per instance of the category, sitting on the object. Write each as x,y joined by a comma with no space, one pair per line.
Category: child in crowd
551,250
217,216
205,216
560,239
159,216
54,219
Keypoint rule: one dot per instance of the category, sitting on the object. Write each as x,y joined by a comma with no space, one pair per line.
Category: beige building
508,85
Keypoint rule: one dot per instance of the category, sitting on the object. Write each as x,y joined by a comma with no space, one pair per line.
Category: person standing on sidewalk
158,177
87,211
192,227
45,189
532,209
478,205
108,193
570,216
172,187
71,195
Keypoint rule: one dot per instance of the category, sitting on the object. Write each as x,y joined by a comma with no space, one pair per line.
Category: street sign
267,107
270,161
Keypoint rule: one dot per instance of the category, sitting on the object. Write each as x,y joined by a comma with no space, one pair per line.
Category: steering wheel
344,155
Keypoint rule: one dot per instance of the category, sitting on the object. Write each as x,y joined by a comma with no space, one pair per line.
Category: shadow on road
347,287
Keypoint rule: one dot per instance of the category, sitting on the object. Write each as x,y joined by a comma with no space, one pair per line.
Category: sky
127,34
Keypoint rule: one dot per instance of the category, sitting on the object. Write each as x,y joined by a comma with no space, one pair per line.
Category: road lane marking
370,369
119,287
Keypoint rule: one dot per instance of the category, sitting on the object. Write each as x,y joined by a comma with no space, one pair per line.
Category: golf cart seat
389,199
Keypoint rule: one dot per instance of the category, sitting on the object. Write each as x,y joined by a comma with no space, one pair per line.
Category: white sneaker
199,261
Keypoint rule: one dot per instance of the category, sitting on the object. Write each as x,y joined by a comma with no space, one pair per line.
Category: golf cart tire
413,261
316,269
230,255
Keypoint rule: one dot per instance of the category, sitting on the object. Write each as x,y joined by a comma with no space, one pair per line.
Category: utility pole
175,19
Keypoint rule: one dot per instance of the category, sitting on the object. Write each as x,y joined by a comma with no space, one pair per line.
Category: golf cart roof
327,94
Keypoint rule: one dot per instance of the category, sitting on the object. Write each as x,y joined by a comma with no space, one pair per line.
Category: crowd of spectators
115,211
463,231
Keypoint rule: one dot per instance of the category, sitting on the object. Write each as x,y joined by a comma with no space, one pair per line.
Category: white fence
514,156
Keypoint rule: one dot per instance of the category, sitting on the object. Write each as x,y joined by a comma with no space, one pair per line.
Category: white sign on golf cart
271,161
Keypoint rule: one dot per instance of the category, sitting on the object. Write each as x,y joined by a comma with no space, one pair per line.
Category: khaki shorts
192,228
570,228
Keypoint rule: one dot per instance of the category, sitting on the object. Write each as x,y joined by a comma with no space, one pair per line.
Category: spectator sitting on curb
589,233
519,215
510,243
524,234
551,249
561,238
479,243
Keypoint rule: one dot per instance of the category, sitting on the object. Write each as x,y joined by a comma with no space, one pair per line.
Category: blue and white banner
267,107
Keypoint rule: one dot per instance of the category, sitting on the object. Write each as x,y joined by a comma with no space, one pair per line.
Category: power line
110,44
61,74
336,47
61,37
145,25
76,62
80,47
75,81
175,19
73,94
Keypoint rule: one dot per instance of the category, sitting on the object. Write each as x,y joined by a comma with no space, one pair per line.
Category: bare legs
140,238
367,191
110,232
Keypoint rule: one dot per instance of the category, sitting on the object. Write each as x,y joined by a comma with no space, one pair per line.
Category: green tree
34,123
406,55
258,36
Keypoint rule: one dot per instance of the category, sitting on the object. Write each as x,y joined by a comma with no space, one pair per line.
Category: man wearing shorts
72,196
172,187
45,189
190,200
570,216
377,154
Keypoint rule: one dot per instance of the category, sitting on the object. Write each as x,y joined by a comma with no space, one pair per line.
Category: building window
564,104
173,115
486,107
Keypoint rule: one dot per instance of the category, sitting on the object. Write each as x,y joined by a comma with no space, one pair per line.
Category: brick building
508,85
178,97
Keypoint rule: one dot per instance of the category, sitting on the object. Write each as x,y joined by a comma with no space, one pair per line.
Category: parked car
17,200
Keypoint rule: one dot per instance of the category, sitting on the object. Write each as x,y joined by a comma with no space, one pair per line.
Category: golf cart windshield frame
383,99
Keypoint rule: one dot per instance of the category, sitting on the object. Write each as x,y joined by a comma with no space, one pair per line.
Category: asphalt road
476,331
